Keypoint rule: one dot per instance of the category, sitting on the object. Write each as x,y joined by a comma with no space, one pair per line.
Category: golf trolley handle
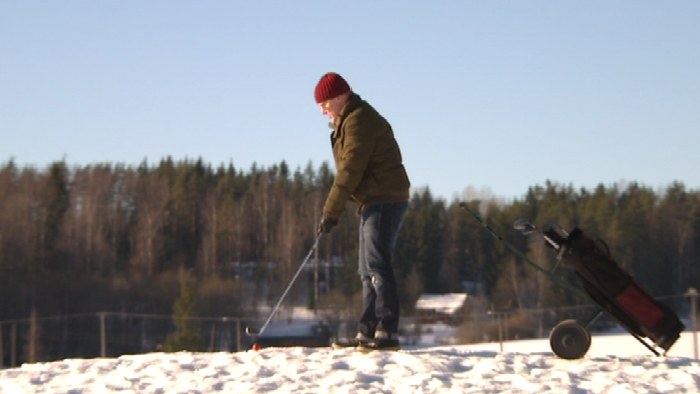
520,253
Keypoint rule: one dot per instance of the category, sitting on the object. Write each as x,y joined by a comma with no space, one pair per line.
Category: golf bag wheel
570,340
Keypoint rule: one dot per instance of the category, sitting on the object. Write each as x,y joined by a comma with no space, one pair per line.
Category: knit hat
330,86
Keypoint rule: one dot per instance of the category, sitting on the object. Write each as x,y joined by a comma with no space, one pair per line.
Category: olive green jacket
367,158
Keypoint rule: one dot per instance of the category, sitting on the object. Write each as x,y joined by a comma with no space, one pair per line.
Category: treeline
115,237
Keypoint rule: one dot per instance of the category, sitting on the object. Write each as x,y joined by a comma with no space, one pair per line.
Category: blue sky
495,96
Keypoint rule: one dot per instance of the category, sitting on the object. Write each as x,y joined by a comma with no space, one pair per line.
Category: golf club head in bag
553,235
525,226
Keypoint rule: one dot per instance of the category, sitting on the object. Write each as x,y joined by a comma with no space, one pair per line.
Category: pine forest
134,239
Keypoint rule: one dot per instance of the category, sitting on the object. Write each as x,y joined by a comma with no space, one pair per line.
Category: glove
325,225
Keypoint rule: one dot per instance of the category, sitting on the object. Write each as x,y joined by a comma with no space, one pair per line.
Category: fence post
505,324
693,294
13,345
2,350
103,335
238,334
497,316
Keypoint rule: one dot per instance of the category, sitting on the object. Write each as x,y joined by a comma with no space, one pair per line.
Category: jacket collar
354,101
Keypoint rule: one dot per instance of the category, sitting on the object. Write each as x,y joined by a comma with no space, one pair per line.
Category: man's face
332,107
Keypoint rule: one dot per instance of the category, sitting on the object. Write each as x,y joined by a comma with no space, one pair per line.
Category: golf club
252,332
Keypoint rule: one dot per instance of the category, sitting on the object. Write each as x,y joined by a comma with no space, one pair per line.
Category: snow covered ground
614,364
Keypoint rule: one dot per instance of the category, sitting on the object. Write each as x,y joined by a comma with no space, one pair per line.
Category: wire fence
106,334
111,334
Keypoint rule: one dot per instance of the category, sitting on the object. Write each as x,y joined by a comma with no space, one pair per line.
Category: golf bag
614,290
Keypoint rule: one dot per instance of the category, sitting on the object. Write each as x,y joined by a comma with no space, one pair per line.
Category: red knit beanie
330,86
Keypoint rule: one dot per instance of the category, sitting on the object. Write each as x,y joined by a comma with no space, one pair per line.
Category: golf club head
525,226
251,332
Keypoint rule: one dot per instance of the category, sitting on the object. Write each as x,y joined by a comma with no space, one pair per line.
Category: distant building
440,308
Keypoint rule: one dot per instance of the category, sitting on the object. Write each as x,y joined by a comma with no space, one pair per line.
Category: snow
614,364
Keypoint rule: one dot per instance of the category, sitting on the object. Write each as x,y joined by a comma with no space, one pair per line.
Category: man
369,172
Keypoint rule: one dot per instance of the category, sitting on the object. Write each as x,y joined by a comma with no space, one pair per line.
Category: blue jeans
379,228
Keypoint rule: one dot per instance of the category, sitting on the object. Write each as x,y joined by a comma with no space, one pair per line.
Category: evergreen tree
597,210
675,217
186,335
422,236
632,244
55,200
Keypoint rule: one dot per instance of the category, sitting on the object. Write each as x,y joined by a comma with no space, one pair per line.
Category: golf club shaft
279,302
